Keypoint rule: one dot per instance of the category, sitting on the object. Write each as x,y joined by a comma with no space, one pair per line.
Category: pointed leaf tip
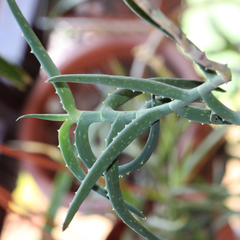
64,227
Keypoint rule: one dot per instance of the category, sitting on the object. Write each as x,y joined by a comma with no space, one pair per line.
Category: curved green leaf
220,109
50,117
112,183
135,84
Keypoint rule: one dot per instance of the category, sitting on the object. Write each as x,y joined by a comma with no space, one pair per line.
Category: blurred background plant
187,188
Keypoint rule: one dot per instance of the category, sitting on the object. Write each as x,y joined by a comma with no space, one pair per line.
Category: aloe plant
168,96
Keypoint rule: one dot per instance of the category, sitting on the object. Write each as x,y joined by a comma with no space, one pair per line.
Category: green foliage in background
16,76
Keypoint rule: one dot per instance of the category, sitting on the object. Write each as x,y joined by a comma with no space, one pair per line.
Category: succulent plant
168,96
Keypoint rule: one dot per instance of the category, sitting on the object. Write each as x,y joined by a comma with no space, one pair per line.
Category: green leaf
138,11
50,117
16,76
